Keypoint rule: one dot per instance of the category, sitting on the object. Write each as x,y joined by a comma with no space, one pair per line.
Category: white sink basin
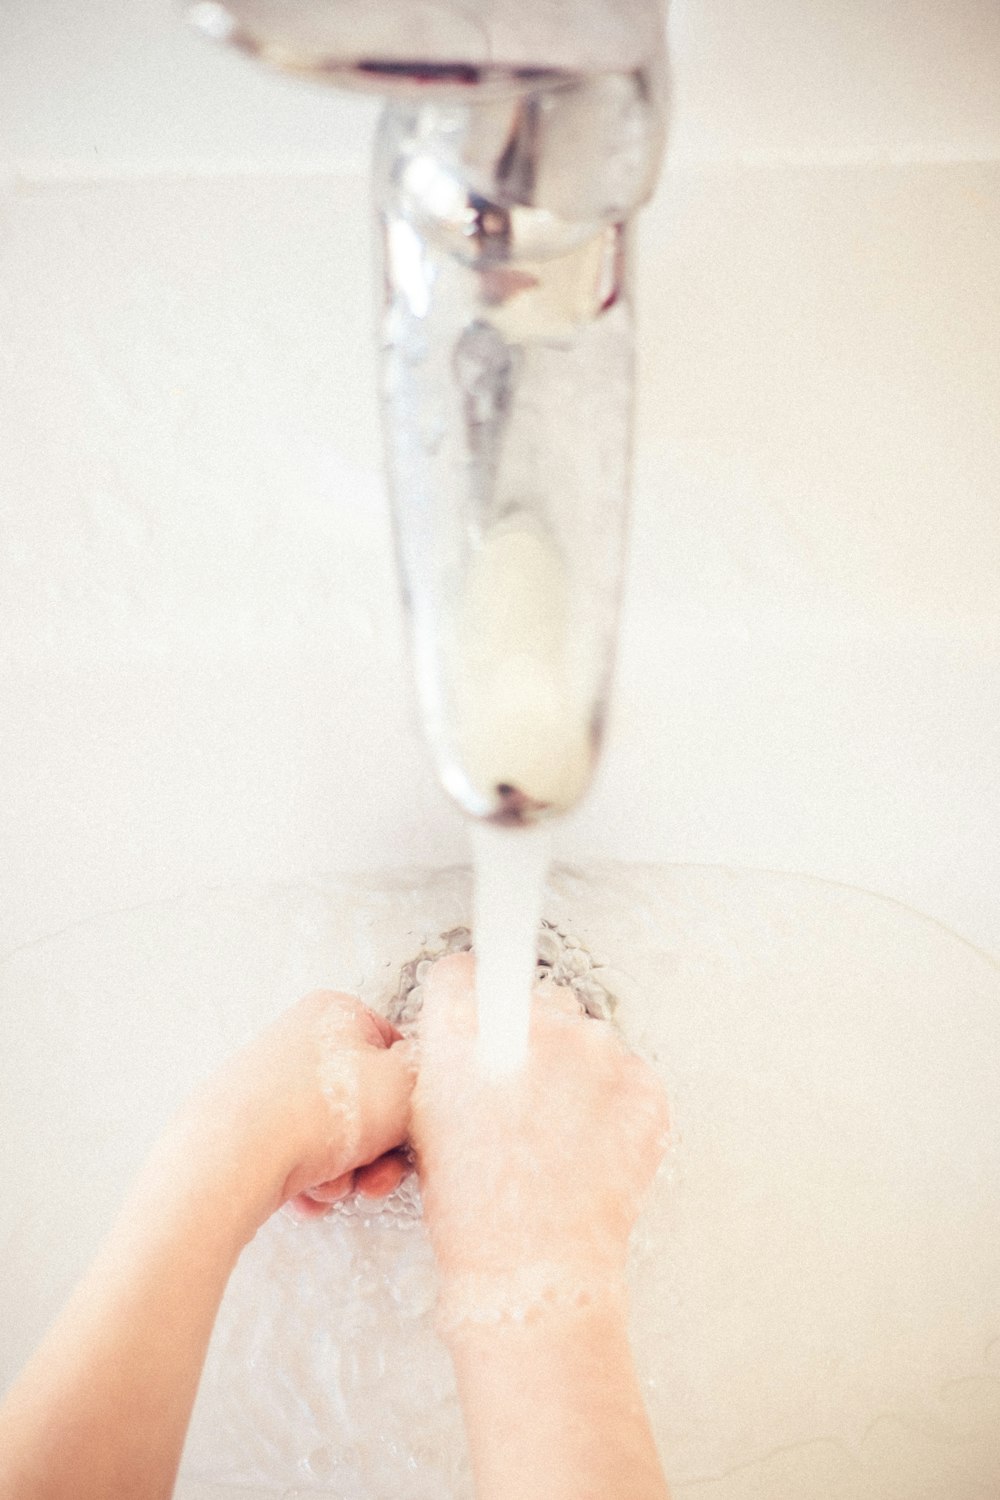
816,1309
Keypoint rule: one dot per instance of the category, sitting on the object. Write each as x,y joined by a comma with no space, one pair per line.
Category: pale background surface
201,668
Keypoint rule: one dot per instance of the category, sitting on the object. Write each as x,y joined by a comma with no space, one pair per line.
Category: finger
318,1200
332,1191
301,1209
343,1019
377,1030
332,1000
556,999
382,1177
449,1007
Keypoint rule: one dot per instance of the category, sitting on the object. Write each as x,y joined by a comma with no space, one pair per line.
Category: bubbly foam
536,1290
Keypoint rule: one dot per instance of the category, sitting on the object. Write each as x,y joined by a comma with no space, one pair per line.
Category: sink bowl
815,1277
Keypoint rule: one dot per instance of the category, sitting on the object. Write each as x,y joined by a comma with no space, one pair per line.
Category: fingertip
382,1177
317,1201
325,1193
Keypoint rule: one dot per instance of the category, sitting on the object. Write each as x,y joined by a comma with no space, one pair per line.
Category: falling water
510,869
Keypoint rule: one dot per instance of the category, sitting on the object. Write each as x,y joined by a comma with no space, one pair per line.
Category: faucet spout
517,144
401,45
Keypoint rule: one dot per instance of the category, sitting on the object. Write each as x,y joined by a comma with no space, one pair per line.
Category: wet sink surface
815,1279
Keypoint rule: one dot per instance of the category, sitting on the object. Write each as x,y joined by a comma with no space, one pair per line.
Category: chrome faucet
518,141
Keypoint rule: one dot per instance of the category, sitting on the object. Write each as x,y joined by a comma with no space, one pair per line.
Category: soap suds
534,1291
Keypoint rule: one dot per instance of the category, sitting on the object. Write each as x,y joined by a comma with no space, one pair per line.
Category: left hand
313,1109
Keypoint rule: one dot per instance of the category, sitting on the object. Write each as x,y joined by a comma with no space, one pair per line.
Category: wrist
223,1159
553,1407
475,1305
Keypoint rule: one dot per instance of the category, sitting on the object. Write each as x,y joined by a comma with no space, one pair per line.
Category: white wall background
201,667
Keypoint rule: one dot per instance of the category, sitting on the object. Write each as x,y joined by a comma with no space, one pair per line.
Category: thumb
448,1016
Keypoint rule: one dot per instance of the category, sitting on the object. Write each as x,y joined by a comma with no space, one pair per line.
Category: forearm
554,1411
102,1409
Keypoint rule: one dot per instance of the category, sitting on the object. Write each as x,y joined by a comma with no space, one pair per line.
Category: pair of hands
546,1169
530,1187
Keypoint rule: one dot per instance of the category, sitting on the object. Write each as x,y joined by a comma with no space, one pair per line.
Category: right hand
547,1168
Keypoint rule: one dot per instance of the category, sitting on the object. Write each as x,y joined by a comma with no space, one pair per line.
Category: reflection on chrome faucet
517,144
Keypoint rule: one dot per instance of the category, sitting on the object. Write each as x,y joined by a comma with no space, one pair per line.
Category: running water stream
510,867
